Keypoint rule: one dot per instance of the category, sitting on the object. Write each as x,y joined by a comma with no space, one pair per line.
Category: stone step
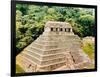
53,64
44,52
49,50
53,60
59,36
44,46
25,63
53,67
44,57
37,61
54,43
57,40
62,68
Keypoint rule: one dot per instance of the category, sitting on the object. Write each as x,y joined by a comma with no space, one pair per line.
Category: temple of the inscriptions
58,48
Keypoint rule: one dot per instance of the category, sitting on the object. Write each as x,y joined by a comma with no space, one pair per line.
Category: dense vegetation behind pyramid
56,49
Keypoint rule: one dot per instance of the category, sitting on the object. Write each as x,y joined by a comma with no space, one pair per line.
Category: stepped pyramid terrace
58,48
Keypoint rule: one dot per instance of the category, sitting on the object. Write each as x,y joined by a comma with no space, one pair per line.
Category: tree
23,8
88,25
22,29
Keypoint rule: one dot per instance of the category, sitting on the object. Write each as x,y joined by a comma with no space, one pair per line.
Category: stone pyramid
58,48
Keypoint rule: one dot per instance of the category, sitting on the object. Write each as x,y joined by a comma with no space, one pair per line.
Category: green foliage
87,24
51,11
18,15
23,8
30,21
22,29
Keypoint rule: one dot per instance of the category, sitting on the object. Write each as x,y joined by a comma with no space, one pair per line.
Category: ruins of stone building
58,48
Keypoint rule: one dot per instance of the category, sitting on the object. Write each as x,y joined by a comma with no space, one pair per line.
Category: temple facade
58,48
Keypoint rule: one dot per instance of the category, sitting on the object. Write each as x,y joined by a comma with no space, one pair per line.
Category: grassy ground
89,49
19,69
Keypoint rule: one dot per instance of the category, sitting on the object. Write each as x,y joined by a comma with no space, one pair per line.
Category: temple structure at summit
58,48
